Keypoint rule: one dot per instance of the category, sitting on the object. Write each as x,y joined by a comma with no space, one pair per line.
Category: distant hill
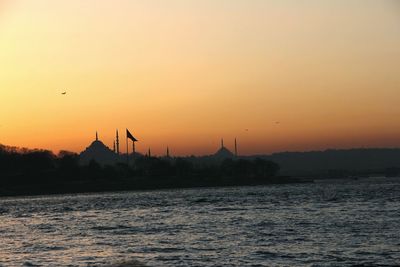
319,162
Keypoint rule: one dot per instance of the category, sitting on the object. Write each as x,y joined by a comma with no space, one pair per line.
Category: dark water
329,224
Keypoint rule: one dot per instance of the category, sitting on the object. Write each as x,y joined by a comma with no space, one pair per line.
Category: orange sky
185,73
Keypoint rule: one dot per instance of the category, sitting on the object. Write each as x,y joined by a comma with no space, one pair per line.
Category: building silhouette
103,155
100,153
223,152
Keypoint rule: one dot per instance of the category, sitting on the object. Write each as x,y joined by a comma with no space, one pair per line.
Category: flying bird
64,93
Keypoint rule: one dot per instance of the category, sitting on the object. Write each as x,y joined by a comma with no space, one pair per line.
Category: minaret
114,147
149,154
236,151
222,142
97,136
167,152
117,143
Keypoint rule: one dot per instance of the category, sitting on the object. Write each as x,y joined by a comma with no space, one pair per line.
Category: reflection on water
283,225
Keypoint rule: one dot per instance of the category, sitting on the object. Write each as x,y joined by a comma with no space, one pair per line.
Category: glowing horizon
185,74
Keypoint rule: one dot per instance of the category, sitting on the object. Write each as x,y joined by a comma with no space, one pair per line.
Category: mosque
99,152
224,153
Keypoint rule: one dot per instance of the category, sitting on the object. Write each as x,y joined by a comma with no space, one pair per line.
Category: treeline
24,171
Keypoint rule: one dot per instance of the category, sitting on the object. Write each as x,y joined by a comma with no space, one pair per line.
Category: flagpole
127,151
130,136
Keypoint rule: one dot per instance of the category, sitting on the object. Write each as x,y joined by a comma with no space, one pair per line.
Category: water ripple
347,224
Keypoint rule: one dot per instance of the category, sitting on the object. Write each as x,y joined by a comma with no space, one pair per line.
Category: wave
130,263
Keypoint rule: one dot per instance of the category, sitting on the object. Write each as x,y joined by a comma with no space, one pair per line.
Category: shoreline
105,186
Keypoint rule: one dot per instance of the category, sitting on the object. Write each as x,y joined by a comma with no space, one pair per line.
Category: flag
130,136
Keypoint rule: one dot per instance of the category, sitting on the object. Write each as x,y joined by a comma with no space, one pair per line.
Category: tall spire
114,146
117,142
167,152
97,136
222,142
236,151
149,153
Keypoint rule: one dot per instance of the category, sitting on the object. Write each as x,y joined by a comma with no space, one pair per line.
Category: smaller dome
223,153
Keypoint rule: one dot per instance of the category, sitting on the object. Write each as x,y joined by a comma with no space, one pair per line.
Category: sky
278,75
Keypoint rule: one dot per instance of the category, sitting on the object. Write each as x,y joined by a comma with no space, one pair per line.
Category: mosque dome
98,152
223,152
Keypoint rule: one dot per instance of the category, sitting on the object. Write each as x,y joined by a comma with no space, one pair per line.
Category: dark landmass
331,163
33,172
345,163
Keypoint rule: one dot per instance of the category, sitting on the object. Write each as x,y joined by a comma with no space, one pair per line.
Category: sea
326,223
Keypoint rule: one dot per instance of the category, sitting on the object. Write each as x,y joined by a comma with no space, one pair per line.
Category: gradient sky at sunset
185,73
